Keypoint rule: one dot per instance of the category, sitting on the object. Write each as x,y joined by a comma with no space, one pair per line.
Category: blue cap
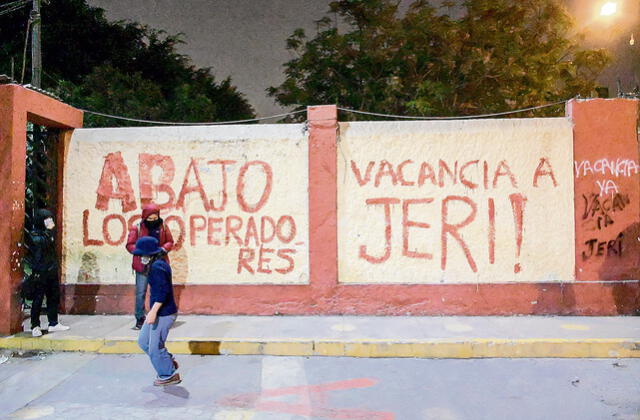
147,245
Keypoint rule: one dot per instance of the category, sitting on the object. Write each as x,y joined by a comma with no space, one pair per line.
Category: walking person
162,314
44,268
150,225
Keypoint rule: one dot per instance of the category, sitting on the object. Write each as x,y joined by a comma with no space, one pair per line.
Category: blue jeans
141,294
151,340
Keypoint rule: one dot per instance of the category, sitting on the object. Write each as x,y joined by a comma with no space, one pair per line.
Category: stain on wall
89,271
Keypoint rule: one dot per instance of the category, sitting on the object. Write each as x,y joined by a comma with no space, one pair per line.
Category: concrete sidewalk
356,336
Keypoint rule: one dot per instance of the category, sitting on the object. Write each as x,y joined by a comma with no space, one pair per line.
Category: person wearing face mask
44,267
151,225
162,314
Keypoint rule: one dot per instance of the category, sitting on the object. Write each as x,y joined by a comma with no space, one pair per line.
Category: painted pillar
323,243
607,188
13,126
18,106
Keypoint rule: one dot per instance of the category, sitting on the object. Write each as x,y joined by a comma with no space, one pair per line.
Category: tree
499,55
121,68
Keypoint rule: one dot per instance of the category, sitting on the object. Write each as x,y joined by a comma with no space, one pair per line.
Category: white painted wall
283,149
547,248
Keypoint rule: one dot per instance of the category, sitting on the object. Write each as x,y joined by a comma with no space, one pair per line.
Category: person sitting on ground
162,314
44,268
151,225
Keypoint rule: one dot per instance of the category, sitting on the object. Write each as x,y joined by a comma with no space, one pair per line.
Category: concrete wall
390,218
457,217
234,198
456,201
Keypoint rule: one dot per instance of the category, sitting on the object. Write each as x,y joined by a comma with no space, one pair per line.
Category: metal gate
41,186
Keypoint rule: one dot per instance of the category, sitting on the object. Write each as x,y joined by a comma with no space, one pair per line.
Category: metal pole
36,58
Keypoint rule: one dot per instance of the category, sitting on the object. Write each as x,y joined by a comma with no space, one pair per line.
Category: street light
609,8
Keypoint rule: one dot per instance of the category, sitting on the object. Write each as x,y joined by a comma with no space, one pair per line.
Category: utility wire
464,117
12,7
12,3
117,117
4,12
24,52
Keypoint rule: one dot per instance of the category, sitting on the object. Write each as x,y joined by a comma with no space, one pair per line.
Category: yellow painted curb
120,347
45,344
434,348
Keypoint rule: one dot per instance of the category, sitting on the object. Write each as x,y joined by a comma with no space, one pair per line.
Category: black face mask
154,224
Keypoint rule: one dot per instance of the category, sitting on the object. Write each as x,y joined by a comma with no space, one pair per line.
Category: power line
4,12
36,54
12,7
117,117
464,117
24,53
13,4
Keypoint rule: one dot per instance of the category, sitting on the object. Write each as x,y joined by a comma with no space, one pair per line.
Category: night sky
245,39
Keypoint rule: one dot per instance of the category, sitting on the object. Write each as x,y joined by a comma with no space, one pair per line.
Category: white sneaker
58,327
36,332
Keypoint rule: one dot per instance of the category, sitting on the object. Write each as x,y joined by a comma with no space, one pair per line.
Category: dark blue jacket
162,287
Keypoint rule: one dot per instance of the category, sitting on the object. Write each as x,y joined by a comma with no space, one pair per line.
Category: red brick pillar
607,188
18,106
323,243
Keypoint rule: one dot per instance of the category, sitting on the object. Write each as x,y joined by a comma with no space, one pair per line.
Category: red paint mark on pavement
312,401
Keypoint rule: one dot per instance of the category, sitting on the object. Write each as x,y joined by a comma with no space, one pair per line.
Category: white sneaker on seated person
58,327
36,332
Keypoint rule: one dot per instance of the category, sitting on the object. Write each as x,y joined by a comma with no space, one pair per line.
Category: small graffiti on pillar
599,211
598,248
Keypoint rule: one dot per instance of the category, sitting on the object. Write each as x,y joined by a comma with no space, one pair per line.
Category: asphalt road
90,386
